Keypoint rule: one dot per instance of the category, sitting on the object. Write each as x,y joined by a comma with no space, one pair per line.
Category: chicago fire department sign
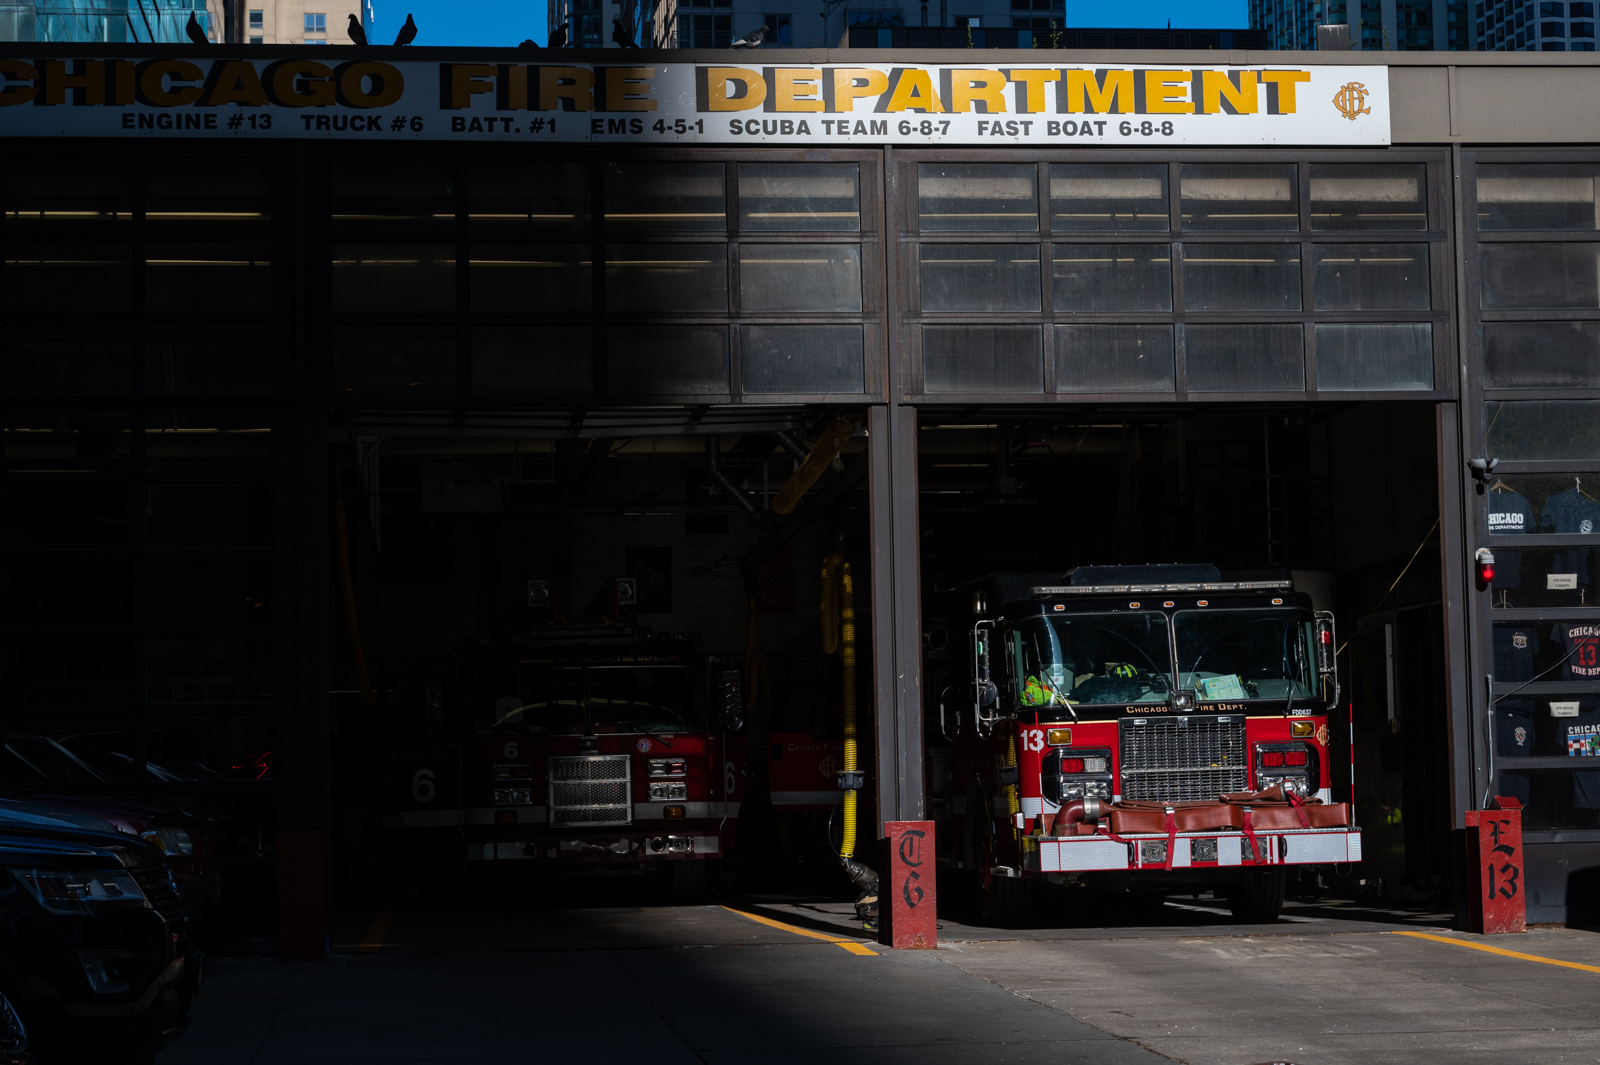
56,90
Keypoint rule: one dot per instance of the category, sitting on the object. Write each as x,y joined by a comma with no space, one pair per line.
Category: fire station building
315,374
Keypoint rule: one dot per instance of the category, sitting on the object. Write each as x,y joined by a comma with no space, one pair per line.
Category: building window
315,40
1548,10
1552,29
1583,10
779,30
316,22
1583,29
705,31
255,40
1553,46
256,21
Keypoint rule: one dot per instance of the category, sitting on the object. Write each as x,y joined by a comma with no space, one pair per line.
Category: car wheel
16,1039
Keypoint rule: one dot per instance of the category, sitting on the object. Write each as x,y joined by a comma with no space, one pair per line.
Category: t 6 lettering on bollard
910,918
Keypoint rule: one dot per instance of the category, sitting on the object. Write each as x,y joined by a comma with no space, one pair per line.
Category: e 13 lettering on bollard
1494,844
912,917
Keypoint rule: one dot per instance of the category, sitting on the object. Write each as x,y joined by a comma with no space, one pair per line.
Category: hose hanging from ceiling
839,637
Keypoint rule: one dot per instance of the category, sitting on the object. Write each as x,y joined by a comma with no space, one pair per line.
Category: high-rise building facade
790,23
1375,25
1534,26
104,21
303,22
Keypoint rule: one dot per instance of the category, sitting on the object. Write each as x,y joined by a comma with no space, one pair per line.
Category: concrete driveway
781,980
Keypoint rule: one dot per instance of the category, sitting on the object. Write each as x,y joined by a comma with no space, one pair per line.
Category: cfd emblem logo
1351,100
1519,640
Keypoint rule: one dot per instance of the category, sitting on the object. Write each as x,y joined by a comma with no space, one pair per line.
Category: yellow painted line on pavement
375,933
849,945
1502,952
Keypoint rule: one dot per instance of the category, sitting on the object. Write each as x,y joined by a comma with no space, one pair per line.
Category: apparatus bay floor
504,983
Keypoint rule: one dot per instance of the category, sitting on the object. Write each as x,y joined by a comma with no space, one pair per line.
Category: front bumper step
1191,850
620,849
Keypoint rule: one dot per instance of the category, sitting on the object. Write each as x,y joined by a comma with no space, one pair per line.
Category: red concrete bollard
909,921
1494,850
302,897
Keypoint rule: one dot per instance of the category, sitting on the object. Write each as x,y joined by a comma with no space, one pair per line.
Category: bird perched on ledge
408,32
357,34
194,30
752,40
620,36
558,39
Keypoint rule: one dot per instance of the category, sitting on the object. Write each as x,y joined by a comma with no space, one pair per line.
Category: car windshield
570,701
37,759
1091,659
1246,654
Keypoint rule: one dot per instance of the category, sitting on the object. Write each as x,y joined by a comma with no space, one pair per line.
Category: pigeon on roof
357,34
196,32
752,40
558,39
621,36
408,32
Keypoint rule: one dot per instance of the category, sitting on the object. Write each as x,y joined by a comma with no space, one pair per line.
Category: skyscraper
1375,25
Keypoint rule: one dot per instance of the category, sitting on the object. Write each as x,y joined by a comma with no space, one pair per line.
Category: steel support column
1460,691
896,612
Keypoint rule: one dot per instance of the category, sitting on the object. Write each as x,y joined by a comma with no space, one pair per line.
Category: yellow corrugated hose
834,437
839,637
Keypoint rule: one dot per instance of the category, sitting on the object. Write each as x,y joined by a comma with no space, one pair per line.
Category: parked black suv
95,959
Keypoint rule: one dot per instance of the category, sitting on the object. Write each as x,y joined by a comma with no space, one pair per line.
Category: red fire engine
1144,729
586,748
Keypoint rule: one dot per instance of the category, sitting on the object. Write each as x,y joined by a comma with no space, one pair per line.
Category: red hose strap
1299,805
1249,830
1172,839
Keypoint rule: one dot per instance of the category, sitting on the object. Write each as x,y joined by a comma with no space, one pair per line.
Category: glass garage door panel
1541,354
980,277
1543,430
1114,358
667,360
976,197
800,359
1362,357
1245,358
982,358
1109,196
1537,196
1234,196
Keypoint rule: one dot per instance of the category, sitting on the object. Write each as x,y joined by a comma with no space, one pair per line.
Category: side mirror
981,684
730,696
1323,631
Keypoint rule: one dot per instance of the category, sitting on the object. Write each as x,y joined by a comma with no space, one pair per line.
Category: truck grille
1182,759
595,789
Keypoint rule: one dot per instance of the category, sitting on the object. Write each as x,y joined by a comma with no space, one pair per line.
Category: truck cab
1143,728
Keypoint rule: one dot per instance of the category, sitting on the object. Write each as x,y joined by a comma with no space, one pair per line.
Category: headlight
74,892
667,790
669,767
513,796
512,772
174,842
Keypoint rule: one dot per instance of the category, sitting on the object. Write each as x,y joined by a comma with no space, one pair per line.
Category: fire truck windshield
589,699
1089,659
1246,654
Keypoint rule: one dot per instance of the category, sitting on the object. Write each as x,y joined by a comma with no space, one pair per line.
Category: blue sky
503,22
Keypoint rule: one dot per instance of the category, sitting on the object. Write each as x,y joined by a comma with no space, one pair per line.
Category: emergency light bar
1152,589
